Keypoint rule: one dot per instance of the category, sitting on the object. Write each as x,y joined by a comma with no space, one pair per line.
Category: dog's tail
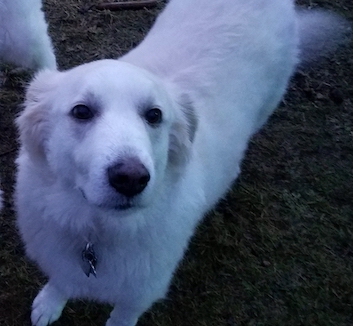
320,33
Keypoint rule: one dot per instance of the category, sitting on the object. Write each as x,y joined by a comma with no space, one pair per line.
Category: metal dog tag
89,259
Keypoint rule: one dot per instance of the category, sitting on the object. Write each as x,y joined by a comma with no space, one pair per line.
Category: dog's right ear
33,122
183,131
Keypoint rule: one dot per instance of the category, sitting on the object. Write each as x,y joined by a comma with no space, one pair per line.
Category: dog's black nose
128,177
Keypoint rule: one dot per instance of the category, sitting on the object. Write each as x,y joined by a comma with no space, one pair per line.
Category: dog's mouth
123,207
127,203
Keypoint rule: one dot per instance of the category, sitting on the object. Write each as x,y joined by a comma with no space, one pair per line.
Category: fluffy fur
23,35
216,70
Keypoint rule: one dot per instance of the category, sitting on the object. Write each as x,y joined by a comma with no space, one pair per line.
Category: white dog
121,159
23,35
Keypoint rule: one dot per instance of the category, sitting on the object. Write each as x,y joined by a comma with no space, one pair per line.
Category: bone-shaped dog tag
89,259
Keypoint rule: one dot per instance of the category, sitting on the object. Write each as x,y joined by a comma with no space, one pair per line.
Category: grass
277,250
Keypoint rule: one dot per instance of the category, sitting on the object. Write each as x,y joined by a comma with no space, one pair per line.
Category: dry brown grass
277,251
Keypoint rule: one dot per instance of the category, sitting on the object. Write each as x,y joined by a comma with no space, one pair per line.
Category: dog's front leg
47,306
123,316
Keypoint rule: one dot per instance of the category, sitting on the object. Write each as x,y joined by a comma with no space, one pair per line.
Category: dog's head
108,130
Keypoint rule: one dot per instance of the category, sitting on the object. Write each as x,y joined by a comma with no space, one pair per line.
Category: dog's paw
112,322
122,317
47,306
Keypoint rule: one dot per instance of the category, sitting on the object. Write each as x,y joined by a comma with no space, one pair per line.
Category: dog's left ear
33,123
182,132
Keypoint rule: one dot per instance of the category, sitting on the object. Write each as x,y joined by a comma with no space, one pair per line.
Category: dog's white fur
216,69
23,35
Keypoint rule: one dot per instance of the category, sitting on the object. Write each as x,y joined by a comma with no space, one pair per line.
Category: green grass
278,250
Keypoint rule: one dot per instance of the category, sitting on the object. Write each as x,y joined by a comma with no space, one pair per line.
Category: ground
278,250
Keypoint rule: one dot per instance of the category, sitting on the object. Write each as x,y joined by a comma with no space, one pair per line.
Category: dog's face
108,130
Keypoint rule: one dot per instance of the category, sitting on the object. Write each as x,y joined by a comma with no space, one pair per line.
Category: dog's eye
82,112
153,116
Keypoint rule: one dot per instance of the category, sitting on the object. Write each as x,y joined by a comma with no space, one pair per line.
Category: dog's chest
118,269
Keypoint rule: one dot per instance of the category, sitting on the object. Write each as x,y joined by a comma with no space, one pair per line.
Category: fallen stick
139,4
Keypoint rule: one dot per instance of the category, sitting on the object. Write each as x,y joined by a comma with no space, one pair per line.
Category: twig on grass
138,4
